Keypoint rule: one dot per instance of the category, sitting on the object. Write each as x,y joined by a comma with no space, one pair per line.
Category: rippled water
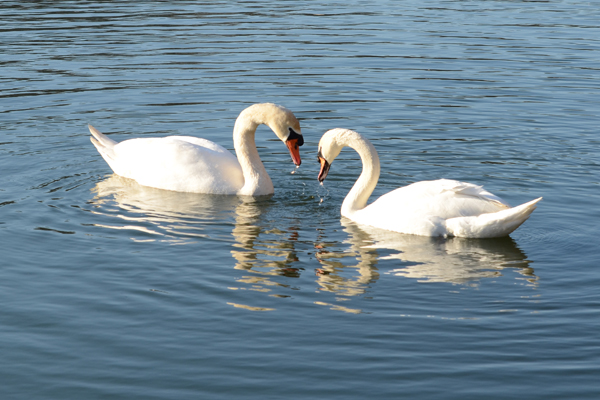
114,290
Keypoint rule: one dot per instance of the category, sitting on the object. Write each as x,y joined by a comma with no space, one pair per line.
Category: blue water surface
114,290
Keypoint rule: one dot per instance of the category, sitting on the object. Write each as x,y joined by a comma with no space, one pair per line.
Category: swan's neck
365,184
256,179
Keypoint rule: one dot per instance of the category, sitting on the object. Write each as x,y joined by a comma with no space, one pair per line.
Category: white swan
429,208
190,164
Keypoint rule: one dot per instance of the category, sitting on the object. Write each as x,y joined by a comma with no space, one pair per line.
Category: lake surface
113,290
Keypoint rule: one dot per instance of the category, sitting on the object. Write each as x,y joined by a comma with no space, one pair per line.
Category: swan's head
330,146
293,143
283,122
287,127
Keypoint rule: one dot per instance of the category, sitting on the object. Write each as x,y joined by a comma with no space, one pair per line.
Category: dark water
112,290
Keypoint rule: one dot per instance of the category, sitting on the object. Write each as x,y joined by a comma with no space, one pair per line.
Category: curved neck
256,179
365,184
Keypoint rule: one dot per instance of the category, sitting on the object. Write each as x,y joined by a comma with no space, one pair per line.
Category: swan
441,207
190,164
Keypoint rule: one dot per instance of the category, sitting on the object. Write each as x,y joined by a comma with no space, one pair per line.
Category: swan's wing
204,143
472,196
179,163
441,198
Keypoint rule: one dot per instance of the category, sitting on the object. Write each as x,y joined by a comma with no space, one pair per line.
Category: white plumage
429,208
190,164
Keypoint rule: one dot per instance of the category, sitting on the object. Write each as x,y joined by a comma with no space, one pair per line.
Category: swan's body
190,164
429,208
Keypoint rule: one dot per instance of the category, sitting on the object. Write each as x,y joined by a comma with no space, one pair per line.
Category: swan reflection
163,215
264,241
453,260
262,251
335,275
272,255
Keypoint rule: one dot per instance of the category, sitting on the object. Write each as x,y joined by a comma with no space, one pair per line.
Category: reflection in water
163,215
272,255
333,275
453,260
182,218
268,256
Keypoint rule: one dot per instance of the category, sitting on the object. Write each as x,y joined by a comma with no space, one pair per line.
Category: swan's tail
103,143
491,225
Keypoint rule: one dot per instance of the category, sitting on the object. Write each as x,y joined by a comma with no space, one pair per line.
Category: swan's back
421,208
444,198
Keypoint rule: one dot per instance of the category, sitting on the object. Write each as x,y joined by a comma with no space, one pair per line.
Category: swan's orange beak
324,169
294,148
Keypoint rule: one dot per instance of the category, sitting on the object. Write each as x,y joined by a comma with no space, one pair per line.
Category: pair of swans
428,208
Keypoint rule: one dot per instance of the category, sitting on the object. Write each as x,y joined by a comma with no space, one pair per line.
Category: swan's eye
294,135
